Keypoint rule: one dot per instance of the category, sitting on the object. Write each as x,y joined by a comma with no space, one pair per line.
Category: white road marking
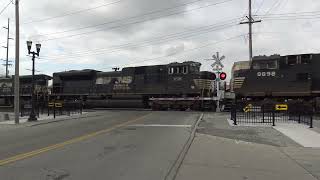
160,125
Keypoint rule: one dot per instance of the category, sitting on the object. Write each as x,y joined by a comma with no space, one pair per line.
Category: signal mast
217,67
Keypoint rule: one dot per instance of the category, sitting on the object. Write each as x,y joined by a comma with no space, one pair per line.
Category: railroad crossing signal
281,107
222,76
217,65
58,105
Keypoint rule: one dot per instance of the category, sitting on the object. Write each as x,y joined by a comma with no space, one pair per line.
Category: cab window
185,69
306,59
291,60
171,70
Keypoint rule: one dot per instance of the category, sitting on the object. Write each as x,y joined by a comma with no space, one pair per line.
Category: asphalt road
111,145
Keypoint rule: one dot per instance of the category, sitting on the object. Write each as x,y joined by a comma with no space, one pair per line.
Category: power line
5,7
277,2
292,16
110,22
184,51
114,27
260,6
160,40
72,13
308,14
174,36
291,19
137,22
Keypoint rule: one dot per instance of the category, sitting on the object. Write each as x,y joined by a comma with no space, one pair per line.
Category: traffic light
223,76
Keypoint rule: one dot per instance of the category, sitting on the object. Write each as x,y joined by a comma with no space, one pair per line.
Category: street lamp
32,116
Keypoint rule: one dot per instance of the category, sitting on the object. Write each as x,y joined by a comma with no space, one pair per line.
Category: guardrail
55,108
271,115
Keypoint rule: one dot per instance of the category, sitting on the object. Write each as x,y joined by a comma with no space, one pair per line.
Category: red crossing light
223,76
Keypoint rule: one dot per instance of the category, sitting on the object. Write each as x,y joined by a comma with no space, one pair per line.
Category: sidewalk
224,152
43,119
219,158
300,133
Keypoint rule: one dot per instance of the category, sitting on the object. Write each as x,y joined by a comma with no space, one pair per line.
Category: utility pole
17,58
7,47
250,21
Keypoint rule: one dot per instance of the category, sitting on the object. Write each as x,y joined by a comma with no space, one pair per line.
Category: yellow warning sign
58,105
51,104
247,108
281,107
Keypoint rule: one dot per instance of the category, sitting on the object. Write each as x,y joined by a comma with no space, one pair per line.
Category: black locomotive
174,85
279,77
41,88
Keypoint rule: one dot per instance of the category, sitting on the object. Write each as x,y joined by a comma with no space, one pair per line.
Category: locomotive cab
180,78
276,76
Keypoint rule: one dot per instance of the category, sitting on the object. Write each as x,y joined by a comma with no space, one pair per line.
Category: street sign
251,108
247,108
51,104
58,105
281,107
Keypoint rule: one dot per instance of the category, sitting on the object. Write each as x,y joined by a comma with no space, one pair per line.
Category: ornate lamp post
32,116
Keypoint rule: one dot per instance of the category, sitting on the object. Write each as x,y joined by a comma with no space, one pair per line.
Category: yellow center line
62,144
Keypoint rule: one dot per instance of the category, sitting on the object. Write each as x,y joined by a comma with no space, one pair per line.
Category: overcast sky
101,34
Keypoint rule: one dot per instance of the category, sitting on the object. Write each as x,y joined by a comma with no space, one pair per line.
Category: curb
59,120
171,175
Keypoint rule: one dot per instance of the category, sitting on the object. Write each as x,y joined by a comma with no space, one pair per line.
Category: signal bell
223,76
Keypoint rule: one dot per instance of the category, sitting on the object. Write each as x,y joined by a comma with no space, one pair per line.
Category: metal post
21,111
250,22
32,114
218,94
273,119
311,121
262,113
235,111
54,110
235,115
250,32
17,58
81,107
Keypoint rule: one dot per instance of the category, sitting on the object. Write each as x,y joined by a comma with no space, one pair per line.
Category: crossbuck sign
217,65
